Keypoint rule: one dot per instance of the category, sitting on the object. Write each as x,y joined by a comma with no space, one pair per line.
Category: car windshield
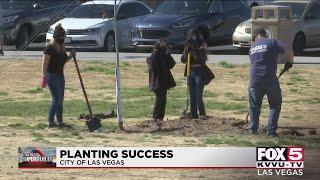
93,11
183,7
296,8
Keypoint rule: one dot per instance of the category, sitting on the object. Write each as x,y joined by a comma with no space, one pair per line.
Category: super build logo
280,160
259,48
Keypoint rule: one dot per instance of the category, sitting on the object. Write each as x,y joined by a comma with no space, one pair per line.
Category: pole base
121,126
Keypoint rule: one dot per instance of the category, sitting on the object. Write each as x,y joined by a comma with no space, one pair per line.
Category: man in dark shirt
263,56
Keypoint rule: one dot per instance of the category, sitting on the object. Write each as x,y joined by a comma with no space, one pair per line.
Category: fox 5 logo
280,154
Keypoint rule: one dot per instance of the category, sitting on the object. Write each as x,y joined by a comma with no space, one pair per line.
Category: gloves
287,66
43,82
73,53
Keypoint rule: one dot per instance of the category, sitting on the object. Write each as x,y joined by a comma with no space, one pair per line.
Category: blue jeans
196,86
55,83
256,94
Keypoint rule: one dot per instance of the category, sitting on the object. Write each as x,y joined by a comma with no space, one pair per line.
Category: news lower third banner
265,159
142,157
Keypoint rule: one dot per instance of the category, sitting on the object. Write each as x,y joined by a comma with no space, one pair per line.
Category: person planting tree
54,59
160,78
200,74
263,56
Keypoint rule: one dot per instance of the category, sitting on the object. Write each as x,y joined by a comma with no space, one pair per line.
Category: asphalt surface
216,54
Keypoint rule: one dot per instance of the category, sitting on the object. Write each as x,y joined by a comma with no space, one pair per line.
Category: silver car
90,26
306,16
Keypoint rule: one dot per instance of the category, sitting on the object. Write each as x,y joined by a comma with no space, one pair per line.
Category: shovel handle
82,86
188,64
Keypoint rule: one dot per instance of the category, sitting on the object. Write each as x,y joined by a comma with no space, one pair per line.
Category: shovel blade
93,124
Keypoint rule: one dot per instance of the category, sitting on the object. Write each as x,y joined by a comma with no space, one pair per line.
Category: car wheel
109,43
23,37
299,44
243,51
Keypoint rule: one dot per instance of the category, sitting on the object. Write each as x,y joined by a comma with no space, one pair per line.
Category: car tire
299,44
243,51
109,43
23,37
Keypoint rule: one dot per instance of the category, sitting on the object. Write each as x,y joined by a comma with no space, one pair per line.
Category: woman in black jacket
160,78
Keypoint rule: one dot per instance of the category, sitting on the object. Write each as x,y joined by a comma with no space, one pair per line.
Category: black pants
160,104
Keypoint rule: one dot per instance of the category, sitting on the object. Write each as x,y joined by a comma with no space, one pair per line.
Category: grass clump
37,135
20,126
125,64
295,78
110,126
312,101
34,91
225,140
99,69
225,64
235,97
40,107
226,106
3,93
266,143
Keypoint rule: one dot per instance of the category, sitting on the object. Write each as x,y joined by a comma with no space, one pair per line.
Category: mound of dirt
189,127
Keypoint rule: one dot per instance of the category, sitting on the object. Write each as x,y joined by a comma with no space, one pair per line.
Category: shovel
93,123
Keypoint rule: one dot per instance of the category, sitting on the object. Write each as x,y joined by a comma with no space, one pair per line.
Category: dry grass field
24,106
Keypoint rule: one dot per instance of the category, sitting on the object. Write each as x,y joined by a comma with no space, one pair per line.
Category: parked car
306,15
252,3
90,26
24,18
216,19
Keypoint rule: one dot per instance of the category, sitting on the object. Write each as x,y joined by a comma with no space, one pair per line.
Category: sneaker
63,125
52,125
204,117
252,132
272,134
195,117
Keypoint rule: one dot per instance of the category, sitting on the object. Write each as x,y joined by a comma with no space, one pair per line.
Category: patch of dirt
189,127
213,125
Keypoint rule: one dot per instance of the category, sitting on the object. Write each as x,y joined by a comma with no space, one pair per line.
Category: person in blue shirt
263,56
